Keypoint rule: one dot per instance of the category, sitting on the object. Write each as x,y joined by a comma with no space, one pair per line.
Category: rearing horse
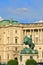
28,41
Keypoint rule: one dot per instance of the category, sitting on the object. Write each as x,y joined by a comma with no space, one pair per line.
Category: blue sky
24,11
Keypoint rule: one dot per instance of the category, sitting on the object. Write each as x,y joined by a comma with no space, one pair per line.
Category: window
36,40
8,39
40,30
40,48
15,48
28,32
35,30
0,38
23,32
31,30
4,32
31,57
7,56
0,58
16,40
15,31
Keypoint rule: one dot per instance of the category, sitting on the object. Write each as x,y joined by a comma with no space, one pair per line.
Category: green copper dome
4,22
7,22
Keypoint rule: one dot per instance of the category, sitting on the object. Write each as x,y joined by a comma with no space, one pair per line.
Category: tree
12,62
0,63
15,62
31,62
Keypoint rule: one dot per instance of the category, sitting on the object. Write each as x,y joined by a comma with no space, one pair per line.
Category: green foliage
0,63
12,62
31,62
15,62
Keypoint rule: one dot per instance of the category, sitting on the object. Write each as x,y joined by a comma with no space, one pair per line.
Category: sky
24,11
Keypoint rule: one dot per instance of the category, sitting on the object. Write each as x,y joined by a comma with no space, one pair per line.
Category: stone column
38,36
4,55
30,32
25,32
41,36
33,36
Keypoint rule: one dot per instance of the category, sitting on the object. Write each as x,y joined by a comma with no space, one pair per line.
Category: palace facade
12,34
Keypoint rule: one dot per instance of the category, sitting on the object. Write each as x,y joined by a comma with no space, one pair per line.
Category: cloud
40,21
1,18
29,14
19,13
18,10
21,9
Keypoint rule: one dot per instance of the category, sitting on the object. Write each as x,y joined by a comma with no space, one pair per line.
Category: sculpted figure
28,41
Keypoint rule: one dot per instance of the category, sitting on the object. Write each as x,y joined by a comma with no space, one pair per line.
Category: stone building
11,39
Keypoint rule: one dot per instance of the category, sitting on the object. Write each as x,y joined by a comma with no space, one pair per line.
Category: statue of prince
28,41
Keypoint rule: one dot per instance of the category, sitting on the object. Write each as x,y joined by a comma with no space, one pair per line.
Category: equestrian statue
28,41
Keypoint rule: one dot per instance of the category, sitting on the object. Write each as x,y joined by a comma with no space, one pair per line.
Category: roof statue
28,41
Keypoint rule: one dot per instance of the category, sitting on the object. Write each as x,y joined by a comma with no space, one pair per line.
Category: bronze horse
28,41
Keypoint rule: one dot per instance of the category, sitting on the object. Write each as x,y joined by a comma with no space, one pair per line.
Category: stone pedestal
24,58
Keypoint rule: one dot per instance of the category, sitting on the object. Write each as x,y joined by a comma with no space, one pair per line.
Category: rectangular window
15,48
0,58
8,56
8,39
36,40
16,40
31,57
15,31
35,30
